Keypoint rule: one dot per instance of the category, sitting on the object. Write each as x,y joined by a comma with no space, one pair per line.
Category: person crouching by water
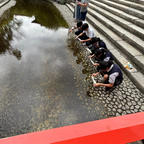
101,54
113,75
78,28
87,34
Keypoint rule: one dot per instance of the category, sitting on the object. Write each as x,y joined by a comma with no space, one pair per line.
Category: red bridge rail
117,130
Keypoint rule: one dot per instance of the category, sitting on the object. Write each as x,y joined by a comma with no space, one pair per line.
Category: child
101,54
87,34
112,75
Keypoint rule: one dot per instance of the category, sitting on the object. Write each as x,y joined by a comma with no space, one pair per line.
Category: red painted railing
117,130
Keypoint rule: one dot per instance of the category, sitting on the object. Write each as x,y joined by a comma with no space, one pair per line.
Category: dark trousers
83,15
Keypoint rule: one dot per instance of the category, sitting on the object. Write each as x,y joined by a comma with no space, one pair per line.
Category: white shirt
89,32
113,76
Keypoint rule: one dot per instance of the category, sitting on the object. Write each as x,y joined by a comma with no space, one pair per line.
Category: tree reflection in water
6,36
45,14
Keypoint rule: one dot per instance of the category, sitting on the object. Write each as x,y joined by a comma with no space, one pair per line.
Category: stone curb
4,3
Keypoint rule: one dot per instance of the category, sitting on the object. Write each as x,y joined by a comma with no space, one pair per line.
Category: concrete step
3,2
120,13
124,34
136,30
128,10
115,44
130,4
137,1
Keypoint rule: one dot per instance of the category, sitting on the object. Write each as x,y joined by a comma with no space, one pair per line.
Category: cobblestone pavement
124,99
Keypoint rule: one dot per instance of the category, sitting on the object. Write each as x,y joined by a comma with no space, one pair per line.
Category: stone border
4,3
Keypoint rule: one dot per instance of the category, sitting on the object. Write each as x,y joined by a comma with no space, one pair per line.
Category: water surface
40,82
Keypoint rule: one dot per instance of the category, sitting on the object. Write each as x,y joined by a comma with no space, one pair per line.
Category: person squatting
103,59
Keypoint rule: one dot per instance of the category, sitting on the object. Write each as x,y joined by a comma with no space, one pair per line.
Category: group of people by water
99,55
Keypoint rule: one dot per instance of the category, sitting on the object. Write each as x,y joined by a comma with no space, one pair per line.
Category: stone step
3,2
120,13
115,44
124,34
137,1
136,30
128,10
130,4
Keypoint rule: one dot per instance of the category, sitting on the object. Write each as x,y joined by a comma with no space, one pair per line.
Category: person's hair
79,24
100,51
94,40
85,26
103,65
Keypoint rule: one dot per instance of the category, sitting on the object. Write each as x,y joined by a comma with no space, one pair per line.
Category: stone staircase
120,23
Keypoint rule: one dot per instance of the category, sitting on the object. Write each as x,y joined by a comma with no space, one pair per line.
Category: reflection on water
41,88
43,13
35,33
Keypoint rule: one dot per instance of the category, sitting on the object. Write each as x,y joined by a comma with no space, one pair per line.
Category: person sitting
101,54
113,75
96,43
87,34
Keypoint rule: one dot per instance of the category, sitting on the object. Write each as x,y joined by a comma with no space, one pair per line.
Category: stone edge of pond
4,6
4,3
66,13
